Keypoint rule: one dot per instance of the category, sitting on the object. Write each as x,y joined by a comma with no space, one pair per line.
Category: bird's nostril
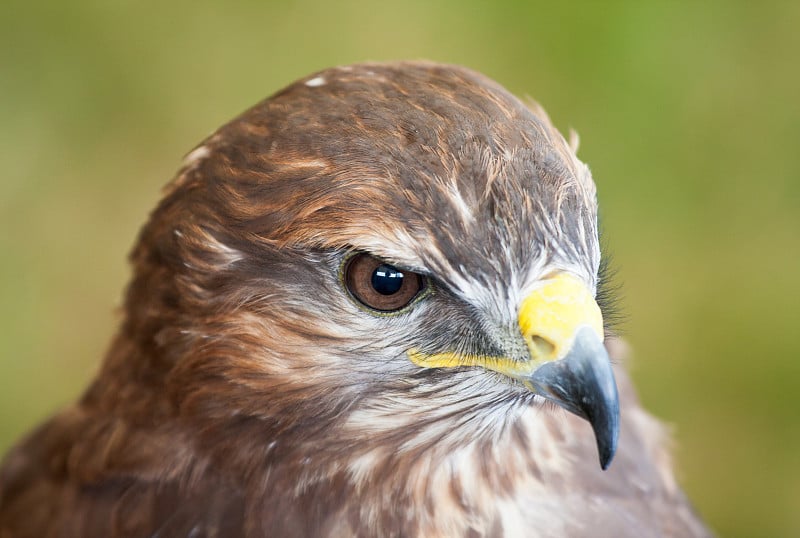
541,347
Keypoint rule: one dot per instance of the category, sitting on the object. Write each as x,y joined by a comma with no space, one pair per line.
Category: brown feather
246,395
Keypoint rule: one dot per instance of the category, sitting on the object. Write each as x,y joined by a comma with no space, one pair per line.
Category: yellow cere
551,315
549,318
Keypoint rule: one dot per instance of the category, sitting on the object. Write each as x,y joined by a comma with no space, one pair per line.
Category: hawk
371,305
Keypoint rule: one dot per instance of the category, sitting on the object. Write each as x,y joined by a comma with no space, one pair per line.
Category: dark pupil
387,280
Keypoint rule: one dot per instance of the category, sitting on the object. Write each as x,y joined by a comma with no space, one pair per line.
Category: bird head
403,252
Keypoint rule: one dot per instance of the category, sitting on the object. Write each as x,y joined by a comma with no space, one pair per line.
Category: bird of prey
371,305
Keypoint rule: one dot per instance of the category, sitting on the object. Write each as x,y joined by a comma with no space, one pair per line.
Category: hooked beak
583,383
567,363
563,328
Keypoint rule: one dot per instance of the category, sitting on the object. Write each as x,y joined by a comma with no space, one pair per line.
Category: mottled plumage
249,393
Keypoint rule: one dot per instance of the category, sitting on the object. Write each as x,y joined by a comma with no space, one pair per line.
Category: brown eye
379,285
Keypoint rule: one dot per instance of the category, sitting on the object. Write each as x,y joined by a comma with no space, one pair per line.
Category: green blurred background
689,115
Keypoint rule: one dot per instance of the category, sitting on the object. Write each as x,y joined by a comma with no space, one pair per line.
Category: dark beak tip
606,434
606,455
583,383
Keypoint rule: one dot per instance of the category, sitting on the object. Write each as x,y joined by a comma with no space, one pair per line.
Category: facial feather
485,200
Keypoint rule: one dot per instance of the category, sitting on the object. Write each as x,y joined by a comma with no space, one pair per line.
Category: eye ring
379,285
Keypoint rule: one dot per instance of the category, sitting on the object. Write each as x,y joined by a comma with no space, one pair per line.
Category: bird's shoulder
90,474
